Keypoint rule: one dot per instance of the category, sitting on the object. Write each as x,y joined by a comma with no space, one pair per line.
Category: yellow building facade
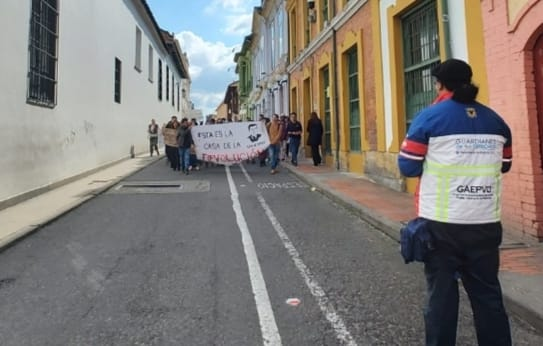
364,66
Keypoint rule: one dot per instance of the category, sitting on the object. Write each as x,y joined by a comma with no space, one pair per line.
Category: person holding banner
169,132
275,131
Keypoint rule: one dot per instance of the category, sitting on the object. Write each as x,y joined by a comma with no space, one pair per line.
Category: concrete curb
24,232
392,229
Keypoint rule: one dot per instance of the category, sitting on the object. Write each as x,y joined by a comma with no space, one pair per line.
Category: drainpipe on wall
336,87
446,28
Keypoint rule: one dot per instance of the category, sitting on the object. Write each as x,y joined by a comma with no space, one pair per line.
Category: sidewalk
21,219
521,270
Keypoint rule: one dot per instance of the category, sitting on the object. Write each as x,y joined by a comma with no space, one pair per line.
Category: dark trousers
468,252
153,145
315,153
274,150
184,158
173,156
294,144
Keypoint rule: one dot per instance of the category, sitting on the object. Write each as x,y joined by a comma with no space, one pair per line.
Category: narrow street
212,259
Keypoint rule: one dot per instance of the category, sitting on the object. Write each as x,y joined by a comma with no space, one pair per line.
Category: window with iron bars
294,36
167,83
354,100
178,97
42,68
307,25
327,110
159,80
420,55
324,12
118,75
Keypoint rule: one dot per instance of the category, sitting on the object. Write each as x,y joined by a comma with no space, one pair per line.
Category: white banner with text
230,143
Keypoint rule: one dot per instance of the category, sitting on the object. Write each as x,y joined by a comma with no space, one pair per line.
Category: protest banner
230,143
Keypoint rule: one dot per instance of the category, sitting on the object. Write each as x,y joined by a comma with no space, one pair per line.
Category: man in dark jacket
294,132
184,142
315,130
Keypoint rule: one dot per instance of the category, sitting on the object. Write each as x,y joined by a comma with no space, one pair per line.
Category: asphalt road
211,259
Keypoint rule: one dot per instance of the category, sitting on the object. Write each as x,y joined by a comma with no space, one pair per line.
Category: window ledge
37,103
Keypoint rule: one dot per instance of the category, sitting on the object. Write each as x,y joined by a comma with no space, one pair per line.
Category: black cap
453,70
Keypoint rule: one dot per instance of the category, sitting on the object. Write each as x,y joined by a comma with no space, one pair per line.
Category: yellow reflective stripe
447,199
468,175
497,195
442,193
439,197
462,170
442,165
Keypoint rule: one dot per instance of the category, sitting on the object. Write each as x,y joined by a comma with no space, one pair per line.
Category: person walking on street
275,131
294,131
169,132
315,131
152,131
264,154
284,138
460,148
184,142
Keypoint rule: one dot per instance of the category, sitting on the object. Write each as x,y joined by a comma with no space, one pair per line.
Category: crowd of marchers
285,135
178,143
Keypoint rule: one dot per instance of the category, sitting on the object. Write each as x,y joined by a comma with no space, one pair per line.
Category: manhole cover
130,187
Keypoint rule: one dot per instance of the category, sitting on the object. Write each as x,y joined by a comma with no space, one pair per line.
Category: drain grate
150,187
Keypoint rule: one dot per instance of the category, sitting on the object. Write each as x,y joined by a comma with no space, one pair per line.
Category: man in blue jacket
459,148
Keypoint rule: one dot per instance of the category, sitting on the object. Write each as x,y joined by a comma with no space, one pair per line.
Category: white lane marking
270,332
247,176
322,300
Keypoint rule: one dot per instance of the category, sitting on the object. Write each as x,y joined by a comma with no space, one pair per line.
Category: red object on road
293,301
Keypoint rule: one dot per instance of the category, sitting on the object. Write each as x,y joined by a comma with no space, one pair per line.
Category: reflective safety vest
461,179
459,152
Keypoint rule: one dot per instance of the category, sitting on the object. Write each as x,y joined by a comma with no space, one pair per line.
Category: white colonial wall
86,129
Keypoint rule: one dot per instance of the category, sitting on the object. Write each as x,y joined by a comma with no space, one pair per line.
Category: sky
210,32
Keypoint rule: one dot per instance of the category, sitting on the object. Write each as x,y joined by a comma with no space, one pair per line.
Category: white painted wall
87,128
387,86
457,28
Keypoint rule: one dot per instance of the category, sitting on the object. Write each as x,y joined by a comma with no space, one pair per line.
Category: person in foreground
459,148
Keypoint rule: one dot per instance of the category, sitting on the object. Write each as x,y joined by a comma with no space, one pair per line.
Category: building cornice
337,23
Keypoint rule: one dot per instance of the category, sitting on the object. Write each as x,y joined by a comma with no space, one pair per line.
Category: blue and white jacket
459,151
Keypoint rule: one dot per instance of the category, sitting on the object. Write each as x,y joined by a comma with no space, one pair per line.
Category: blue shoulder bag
415,240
